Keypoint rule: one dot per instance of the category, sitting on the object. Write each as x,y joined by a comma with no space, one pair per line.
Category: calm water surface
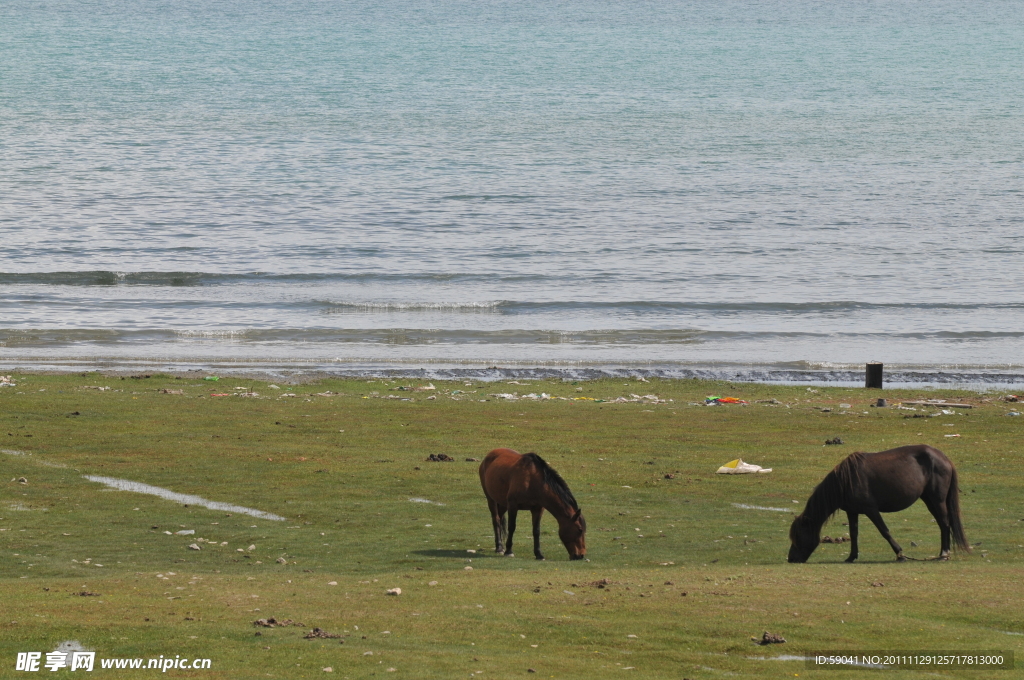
667,184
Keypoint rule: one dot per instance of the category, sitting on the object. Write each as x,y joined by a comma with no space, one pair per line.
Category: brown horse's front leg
876,519
851,518
537,513
512,512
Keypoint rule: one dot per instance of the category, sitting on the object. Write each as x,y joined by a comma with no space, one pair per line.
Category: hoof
851,559
901,558
540,557
944,557
510,555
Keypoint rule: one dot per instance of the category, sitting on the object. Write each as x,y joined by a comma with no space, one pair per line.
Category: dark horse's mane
553,480
829,495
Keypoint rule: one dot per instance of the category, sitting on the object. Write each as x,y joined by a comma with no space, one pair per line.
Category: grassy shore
686,566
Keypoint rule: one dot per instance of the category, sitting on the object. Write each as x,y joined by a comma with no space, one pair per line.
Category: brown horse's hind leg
512,512
851,518
941,515
498,522
537,514
876,519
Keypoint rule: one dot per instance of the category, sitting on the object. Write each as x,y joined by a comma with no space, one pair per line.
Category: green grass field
680,574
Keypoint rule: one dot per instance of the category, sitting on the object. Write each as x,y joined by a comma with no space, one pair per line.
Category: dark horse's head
804,536
573,532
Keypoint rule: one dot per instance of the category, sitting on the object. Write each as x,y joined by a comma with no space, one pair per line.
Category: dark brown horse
873,483
514,482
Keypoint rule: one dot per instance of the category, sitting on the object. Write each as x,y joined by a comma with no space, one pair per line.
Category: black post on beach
873,375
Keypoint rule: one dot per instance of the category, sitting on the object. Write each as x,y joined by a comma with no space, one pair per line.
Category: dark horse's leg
941,515
537,513
498,521
876,519
512,512
851,518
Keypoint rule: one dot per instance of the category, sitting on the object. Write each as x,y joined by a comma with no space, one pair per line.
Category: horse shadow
453,553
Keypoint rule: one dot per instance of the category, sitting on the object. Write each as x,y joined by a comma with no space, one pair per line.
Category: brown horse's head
804,536
573,532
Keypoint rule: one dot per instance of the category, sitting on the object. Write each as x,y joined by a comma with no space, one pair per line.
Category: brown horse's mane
844,479
553,480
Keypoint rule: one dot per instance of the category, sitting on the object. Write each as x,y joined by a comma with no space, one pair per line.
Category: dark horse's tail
956,520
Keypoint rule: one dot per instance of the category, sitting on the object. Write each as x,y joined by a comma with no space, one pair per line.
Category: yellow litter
738,467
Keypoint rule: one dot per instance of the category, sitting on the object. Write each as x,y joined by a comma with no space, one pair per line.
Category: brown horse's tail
956,520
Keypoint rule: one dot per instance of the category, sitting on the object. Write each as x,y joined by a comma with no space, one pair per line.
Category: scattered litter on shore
717,401
185,499
938,402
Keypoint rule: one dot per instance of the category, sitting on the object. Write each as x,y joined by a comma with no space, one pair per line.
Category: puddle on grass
18,507
185,499
12,452
744,506
424,500
138,487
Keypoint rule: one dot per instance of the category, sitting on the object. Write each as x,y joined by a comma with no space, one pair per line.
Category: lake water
779,190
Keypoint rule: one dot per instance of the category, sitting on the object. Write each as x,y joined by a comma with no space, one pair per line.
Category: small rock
877,584
281,560
332,583
468,568
472,460
769,639
835,441
193,546
432,583
22,480
328,669
913,544
440,458
530,670
319,634
251,548
394,591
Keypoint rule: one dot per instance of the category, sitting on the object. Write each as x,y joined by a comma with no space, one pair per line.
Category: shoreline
300,372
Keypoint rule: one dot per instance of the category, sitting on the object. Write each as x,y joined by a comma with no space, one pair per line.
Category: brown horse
887,481
514,482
